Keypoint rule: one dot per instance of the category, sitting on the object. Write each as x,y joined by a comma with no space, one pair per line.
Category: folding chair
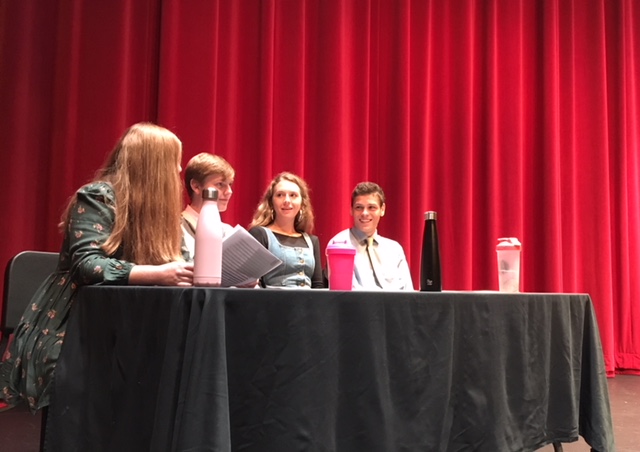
24,274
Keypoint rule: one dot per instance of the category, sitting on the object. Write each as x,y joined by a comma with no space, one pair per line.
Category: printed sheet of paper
244,259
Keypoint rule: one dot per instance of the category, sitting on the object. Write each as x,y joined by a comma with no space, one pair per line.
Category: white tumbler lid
508,243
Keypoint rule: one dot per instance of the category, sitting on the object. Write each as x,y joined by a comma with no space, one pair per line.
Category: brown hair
143,171
368,188
204,165
264,214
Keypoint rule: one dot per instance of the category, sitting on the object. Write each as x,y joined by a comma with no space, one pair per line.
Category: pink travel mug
340,259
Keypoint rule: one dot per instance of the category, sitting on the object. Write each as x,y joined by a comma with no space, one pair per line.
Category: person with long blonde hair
121,228
283,222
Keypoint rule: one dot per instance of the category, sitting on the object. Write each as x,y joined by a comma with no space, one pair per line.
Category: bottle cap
210,193
508,243
430,215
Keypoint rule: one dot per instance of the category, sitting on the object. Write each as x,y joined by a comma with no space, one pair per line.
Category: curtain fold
508,118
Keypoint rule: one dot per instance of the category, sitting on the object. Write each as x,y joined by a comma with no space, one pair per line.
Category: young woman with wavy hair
283,222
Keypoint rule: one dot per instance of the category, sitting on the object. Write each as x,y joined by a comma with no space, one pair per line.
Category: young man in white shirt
380,263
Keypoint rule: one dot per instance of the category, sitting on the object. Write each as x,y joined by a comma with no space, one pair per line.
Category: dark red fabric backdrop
508,118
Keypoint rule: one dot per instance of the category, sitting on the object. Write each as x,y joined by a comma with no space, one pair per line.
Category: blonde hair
265,214
143,171
204,165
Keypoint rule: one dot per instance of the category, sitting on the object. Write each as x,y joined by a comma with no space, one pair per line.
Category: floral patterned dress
28,370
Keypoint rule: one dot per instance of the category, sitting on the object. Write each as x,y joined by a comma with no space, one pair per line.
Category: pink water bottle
207,259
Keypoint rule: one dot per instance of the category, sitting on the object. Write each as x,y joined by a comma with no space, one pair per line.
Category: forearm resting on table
170,274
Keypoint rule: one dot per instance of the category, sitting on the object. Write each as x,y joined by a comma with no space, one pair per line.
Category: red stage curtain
508,118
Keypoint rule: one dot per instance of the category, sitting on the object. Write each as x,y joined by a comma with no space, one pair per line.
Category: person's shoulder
341,236
98,190
388,242
258,231
96,187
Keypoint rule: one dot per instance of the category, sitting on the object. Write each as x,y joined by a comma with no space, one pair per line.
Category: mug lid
508,243
340,247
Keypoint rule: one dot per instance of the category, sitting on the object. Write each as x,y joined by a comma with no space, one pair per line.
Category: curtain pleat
508,118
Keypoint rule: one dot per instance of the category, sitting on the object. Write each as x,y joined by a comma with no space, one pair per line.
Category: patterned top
28,369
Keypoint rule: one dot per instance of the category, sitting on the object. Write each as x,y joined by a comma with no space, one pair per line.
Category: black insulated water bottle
430,276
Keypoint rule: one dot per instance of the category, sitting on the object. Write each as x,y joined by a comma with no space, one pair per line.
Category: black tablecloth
155,369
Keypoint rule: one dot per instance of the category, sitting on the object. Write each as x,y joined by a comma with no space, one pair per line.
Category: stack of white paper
244,259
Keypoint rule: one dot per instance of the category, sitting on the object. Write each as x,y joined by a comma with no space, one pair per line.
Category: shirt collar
361,237
191,216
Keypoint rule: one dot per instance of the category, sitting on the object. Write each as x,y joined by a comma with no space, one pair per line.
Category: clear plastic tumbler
508,251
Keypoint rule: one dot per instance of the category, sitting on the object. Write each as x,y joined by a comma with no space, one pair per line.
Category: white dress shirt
391,267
